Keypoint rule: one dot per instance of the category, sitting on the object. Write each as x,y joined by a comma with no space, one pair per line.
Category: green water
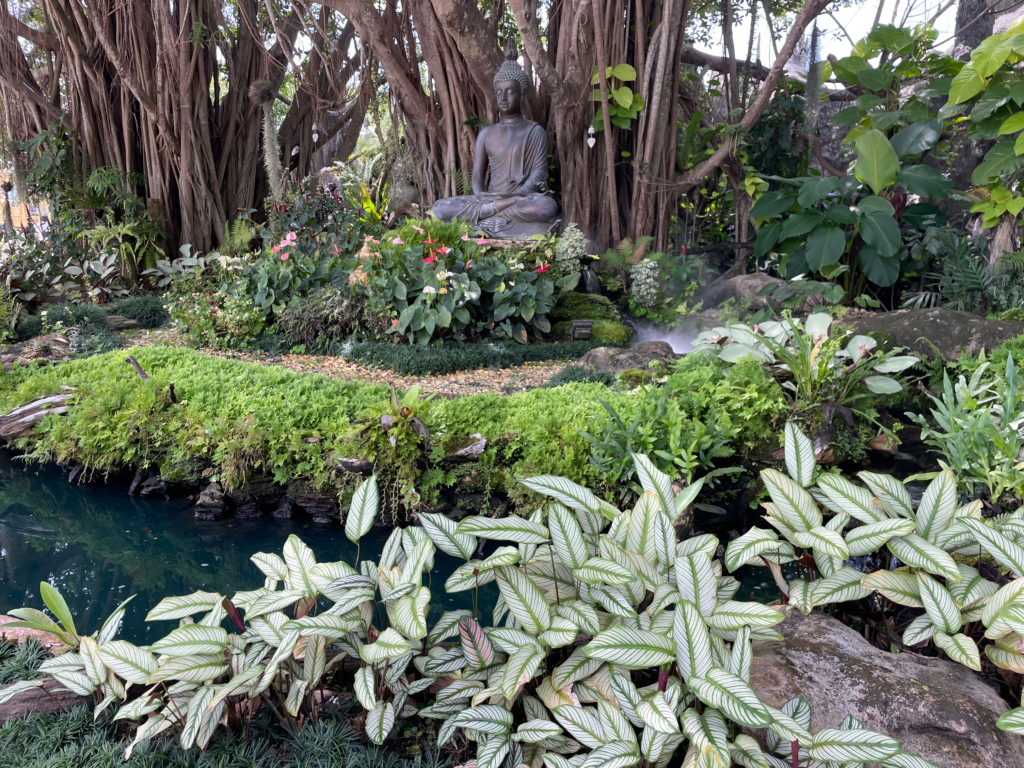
98,546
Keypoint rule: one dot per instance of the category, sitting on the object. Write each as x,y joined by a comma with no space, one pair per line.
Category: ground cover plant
609,636
448,358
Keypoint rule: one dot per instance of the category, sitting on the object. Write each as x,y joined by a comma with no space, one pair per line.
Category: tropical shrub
147,309
854,226
449,286
924,539
570,251
975,427
837,373
329,316
654,669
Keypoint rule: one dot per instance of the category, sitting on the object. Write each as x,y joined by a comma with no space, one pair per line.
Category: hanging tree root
171,397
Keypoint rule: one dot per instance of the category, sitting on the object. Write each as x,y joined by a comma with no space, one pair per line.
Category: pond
98,546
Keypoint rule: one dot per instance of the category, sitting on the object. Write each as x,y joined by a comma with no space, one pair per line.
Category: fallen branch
145,377
23,419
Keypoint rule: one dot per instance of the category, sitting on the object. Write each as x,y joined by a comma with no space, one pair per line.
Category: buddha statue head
510,83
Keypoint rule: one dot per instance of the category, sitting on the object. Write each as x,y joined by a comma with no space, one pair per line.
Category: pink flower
482,241
290,237
207,295
469,264
216,310
284,256
394,322
417,229
542,269
444,250
397,241
863,346
369,237
465,237
757,328
429,259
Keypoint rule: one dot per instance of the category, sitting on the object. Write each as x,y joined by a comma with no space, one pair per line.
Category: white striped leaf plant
833,520
589,595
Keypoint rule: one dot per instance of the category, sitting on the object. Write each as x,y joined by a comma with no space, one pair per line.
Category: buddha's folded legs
538,210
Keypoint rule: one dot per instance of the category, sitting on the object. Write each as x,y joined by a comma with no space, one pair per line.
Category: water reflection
97,545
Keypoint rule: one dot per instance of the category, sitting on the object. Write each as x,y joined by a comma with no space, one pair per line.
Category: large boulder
949,331
55,698
615,360
742,288
19,635
940,710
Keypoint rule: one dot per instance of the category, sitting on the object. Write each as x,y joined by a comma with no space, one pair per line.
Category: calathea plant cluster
921,541
613,644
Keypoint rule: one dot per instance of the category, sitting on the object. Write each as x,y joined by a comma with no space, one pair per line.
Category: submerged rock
615,360
940,710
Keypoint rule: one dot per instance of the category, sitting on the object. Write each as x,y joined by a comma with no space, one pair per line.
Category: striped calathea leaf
589,605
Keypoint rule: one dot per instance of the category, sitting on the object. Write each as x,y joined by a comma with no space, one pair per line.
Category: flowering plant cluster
213,317
571,248
446,282
645,281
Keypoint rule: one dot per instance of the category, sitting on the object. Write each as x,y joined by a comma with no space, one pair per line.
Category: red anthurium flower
430,259
542,269
394,322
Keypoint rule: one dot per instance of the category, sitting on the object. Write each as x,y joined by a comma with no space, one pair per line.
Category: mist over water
680,337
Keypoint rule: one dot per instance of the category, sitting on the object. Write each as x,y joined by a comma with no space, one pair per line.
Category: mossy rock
634,377
602,330
584,306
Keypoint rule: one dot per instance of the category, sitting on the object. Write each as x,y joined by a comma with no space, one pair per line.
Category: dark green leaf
848,116
825,246
880,270
917,138
799,224
772,203
875,79
925,181
881,232
766,239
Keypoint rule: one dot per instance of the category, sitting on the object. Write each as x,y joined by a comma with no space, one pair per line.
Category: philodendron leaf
877,163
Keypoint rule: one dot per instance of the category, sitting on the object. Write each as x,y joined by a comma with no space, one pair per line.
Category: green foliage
975,427
20,661
329,316
855,226
833,372
655,425
576,374
692,381
67,315
446,286
755,403
448,358
572,305
147,309
643,600
814,512
623,104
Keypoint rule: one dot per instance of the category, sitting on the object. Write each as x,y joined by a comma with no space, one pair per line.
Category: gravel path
506,381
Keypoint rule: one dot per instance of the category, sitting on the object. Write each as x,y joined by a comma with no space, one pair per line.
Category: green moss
634,377
583,306
1014,314
605,330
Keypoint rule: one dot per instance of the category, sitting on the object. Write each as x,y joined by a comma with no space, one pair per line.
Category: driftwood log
172,398
24,418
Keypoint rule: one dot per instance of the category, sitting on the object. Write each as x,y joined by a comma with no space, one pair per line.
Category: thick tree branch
720,63
40,37
807,14
557,87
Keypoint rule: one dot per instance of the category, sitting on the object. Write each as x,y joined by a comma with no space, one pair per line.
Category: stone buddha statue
516,203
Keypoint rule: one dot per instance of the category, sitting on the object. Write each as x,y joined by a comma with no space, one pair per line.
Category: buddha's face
509,97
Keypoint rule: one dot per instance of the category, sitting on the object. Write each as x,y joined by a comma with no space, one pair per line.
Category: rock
314,503
118,323
742,288
356,466
210,505
940,710
284,510
51,348
952,333
140,475
614,360
154,486
38,700
19,635
883,443
472,447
